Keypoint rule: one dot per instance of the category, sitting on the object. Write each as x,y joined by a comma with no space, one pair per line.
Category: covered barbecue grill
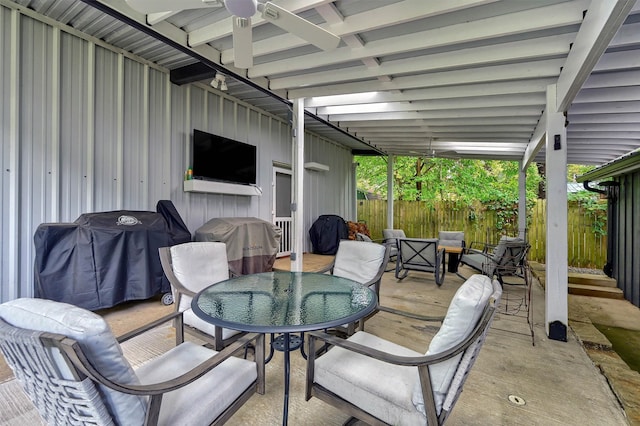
252,243
103,259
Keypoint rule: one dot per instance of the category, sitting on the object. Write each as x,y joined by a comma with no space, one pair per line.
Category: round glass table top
284,302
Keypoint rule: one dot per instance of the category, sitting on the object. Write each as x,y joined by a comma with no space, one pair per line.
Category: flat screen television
223,159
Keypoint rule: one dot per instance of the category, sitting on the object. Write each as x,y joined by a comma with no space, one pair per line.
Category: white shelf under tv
213,187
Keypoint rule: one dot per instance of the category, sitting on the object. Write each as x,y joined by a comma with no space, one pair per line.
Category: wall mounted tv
223,159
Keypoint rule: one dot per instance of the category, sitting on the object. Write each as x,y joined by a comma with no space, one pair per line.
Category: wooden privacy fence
419,219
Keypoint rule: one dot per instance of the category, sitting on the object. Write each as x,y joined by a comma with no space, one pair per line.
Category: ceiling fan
242,11
431,153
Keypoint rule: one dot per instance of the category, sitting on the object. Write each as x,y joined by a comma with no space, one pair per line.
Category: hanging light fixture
219,80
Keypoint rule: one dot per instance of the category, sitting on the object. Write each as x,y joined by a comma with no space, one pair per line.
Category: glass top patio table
284,302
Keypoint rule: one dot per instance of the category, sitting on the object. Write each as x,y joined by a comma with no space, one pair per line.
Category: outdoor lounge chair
416,254
73,369
380,382
501,260
390,237
190,267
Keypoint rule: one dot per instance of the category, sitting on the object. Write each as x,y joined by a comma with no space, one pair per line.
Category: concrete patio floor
554,382
557,381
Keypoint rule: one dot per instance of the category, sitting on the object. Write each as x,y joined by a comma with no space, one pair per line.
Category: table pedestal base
295,341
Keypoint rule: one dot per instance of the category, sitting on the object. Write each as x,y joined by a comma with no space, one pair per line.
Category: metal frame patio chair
382,383
419,254
74,371
190,267
390,237
361,261
504,259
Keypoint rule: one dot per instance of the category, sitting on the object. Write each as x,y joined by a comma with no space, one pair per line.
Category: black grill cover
103,259
326,233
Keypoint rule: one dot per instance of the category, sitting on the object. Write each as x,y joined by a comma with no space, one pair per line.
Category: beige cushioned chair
73,369
363,262
190,268
380,382
503,259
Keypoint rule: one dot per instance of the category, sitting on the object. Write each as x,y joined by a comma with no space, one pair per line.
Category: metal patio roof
464,78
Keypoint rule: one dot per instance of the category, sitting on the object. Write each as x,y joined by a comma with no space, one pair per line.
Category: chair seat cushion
96,340
192,320
214,391
357,378
477,261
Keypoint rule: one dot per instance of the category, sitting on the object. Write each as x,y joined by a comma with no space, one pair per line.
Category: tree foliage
442,179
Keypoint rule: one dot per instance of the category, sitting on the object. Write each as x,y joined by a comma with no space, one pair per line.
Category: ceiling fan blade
294,24
151,6
242,42
242,8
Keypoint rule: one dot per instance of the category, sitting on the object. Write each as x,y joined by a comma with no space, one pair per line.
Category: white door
282,186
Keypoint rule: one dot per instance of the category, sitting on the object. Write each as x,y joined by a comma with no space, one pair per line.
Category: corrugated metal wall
87,128
626,246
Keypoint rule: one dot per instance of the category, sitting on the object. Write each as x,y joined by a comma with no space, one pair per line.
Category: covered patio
513,382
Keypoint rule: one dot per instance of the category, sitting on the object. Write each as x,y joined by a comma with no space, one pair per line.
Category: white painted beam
559,15
526,87
601,23
440,104
520,51
459,113
534,70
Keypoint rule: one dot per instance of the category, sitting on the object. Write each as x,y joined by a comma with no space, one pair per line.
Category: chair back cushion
501,248
358,260
197,265
96,340
451,238
465,310
393,233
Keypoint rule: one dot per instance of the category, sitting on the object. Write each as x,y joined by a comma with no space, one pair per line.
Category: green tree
443,179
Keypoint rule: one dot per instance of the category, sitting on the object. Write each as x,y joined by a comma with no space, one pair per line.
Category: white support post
391,159
556,288
522,201
11,288
297,215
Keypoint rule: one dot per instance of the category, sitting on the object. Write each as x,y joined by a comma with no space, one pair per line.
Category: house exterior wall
626,234
87,128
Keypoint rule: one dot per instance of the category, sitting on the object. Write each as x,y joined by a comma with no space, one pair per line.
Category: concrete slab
558,381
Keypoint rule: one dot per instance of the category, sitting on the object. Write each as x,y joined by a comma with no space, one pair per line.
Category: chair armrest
485,247
409,361
410,314
74,352
419,361
469,250
138,331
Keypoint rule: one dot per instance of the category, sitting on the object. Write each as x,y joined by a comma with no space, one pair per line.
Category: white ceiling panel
463,75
